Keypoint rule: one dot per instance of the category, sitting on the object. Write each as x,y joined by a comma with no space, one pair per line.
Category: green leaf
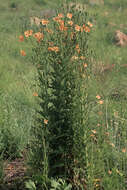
69,187
54,184
30,185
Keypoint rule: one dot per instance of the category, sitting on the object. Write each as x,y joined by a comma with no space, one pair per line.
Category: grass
17,73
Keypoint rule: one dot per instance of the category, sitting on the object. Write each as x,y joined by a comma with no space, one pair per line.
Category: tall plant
62,58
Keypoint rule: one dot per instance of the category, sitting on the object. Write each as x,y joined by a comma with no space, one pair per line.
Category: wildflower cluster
65,24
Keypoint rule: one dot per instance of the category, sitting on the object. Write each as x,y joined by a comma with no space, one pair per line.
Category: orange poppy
90,24
110,172
60,15
45,121
82,57
94,131
81,29
56,18
21,38
124,150
101,102
44,22
84,26
63,28
98,97
69,15
77,48
22,52
39,36
85,65
70,22
87,29
77,27
35,94
92,135
28,33
55,49
61,22
74,58
112,145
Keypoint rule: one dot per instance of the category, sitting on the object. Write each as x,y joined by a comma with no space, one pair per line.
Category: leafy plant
30,185
13,5
60,184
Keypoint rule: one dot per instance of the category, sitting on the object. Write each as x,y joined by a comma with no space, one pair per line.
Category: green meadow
108,82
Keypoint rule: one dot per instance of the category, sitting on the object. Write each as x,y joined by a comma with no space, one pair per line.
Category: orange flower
28,33
45,121
35,94
77,27
56,18
70,22
60,15
69,15
124,150
62,28
84,26
74,58
82,57
98,97
87,29
21,38
110,172
23,53
85,65
101,102
112,145
44,22
94,131
55,49
77,48
61,22
92,135
39,36
90,24
81,29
